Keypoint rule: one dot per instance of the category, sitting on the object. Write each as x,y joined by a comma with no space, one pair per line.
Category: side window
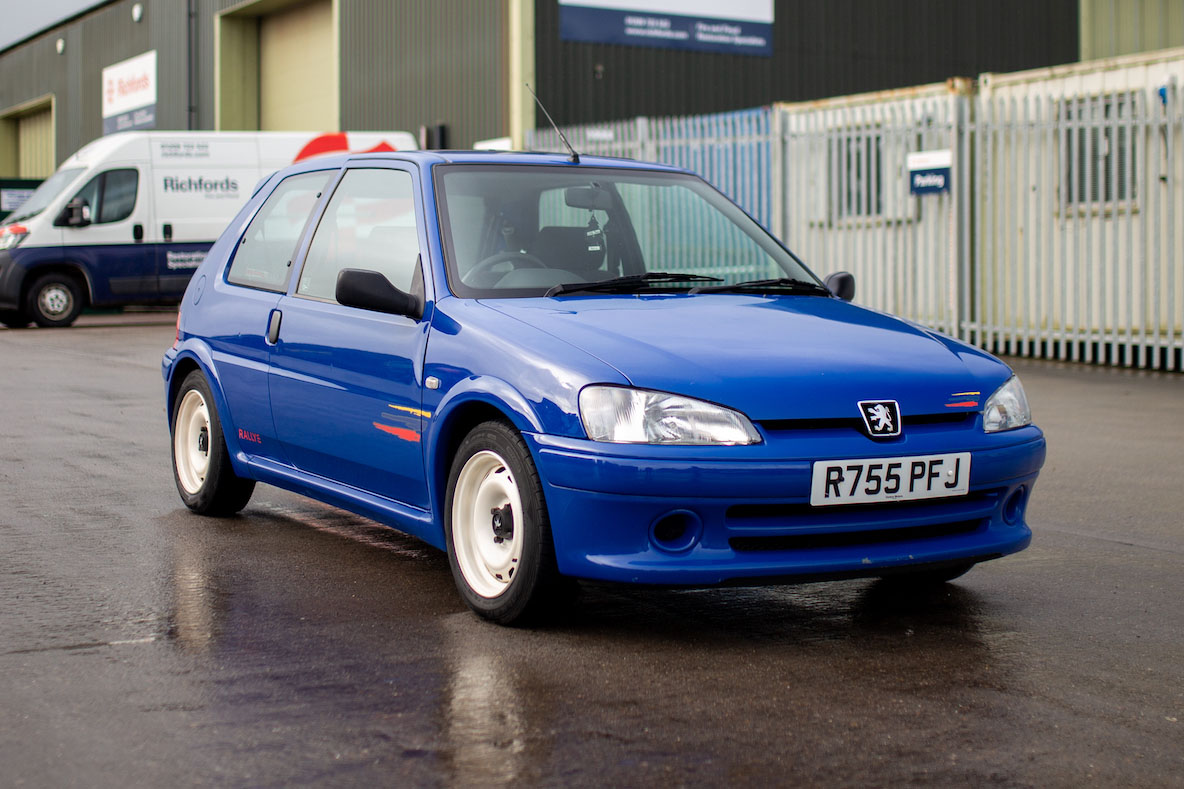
369,224
265,250
119,195
111,195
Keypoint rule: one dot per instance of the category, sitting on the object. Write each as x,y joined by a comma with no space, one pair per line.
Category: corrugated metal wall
820,49
409,64
1121,27
107,35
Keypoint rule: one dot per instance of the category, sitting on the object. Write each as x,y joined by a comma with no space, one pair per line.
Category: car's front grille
954,419
847,539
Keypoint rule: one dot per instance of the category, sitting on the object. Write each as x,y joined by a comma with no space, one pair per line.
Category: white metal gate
1061,237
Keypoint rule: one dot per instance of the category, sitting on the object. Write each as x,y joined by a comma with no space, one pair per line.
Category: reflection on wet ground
297,644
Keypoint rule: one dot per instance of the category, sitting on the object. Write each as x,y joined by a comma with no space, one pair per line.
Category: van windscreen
45,194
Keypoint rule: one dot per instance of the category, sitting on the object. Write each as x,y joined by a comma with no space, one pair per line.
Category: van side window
111,195
264,254
369,224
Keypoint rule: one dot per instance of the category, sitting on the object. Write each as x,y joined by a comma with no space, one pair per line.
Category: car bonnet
794,357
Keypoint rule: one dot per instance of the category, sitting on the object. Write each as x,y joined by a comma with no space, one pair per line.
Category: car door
346,383
111,245
244,307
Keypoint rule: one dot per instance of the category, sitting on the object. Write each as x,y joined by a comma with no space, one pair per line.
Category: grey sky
20,19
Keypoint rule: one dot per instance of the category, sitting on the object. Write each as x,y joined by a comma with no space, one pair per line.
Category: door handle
273,327
167,231
137,232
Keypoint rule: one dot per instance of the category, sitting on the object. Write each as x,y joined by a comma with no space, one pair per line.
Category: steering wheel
519,259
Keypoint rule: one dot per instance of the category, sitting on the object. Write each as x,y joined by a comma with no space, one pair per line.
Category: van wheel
14,319
201,463
496,526
54,300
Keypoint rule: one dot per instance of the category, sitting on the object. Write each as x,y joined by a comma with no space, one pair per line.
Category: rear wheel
54,300
497,529
14,319
201,463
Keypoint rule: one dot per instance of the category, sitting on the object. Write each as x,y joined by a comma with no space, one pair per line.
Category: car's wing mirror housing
370,290
842,284
75,213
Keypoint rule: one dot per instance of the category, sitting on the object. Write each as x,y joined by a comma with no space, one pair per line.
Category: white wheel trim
55,300
191,453
485,484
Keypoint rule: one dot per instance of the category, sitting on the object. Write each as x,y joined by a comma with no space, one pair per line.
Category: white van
128,218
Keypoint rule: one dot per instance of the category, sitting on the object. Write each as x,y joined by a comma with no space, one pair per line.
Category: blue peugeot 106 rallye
558,368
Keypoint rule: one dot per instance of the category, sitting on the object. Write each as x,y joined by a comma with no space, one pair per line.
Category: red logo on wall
335,142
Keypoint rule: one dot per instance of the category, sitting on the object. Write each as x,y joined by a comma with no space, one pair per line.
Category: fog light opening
676,531
1013,508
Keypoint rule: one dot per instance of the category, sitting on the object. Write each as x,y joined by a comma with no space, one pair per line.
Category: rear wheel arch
181,370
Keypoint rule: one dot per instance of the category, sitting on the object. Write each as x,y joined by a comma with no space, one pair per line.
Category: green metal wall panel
407,64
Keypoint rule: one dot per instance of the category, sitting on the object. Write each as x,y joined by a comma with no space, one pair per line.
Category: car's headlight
639,416
1007,408
12,235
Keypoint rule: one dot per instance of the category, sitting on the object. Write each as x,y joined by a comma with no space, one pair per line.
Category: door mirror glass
842,284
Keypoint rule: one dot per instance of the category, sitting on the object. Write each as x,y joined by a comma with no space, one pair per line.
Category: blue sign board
741,27
929,171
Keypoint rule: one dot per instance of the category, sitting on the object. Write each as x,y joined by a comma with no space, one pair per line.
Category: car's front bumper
738,515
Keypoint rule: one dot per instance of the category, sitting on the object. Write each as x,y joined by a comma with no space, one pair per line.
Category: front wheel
496,525
201,463
54,300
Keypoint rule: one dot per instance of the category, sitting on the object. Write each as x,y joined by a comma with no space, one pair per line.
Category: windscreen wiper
782,283
629,282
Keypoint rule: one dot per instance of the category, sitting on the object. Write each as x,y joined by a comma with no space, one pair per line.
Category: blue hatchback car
593,369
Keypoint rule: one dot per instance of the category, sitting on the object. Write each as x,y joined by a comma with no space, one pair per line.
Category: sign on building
129,94
737,27
929,171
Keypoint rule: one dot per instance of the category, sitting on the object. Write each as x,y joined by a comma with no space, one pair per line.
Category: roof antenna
575,157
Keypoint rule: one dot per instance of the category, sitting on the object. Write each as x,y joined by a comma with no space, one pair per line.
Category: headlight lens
1007,408
639,416
12,235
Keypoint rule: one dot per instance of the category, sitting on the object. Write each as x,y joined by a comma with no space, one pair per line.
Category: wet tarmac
141,645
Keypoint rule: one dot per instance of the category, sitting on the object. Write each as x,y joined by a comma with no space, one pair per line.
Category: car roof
432,158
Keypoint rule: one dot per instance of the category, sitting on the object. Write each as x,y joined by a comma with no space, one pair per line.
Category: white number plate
870,480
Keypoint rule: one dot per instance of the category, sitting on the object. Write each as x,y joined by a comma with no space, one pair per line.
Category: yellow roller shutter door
35,145
297,70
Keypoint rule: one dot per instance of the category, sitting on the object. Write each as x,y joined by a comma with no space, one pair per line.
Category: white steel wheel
55,300
191,442
487,524
201,463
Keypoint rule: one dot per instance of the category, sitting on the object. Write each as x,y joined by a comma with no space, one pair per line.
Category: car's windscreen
45,194
515,231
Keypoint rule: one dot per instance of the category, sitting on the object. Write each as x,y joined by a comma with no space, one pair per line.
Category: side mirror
370,290
75,213
842,284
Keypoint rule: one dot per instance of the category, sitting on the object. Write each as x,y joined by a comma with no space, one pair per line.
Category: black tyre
923,578
499,536
14,319
54,300
201,464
